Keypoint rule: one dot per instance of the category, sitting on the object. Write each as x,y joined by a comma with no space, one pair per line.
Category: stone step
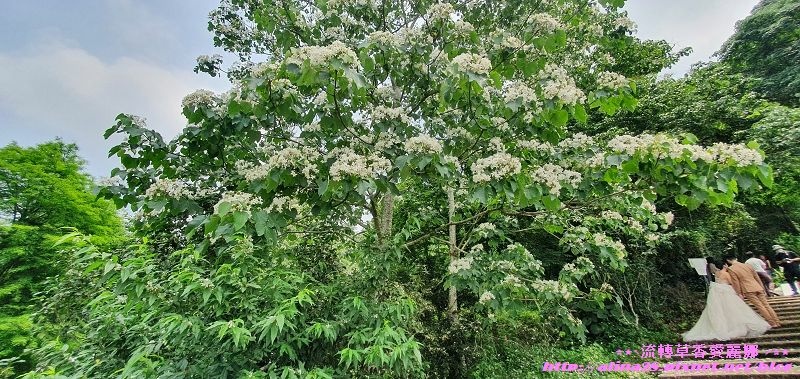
785,329
791,369
764,352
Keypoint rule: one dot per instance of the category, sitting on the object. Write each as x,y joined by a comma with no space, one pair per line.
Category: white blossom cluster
546,23
239,201
535,145
297,160
580,267
263,69
577,141
496,145
612,215
625,22
662,146
512,281
414,36
552,176
602,240
486,297
460,264
463,27
740,155
635,225
199,98
649,206
474,63
512,42
382,113
440,12
669,217
382,38
283,204
485,229
175,189
348,162
212,60
386,140
597,160
554,287
423,144
206,283
611,80
338,4
321,56
501,124
388,93
285,88
449,159
504,265
496,166
513,90
557,84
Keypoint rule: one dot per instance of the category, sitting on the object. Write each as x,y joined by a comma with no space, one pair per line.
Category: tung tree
336,104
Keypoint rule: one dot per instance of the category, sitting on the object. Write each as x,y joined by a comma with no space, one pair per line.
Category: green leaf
223,208
551,203
580,113
239,219
559,117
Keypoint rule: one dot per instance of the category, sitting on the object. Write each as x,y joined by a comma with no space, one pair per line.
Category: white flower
486,297
206,283
383,113
577,141
514,90
349,162
535,145
512,280
668,218
546,22
283,203
474,63
611,80
553,175
739,155
423,144
296,160
238,201
625,22
611,215
440,12
485,229
496,144
496,166
463,27
199,98
321,56
382,38
460,264
558,85
649,206
449,159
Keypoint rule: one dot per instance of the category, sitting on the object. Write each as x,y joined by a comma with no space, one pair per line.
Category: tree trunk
384,220
452,303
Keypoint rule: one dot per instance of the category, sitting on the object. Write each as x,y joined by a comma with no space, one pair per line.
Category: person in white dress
726,315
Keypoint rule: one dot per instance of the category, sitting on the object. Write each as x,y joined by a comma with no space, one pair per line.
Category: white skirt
726,317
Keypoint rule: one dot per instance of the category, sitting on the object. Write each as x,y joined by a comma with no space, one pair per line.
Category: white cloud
702,25
54,90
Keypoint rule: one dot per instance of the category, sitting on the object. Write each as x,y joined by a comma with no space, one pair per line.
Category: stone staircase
780,346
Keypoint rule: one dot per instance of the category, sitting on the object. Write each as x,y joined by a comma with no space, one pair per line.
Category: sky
67,68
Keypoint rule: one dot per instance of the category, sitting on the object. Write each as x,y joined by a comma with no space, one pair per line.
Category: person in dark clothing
790,263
